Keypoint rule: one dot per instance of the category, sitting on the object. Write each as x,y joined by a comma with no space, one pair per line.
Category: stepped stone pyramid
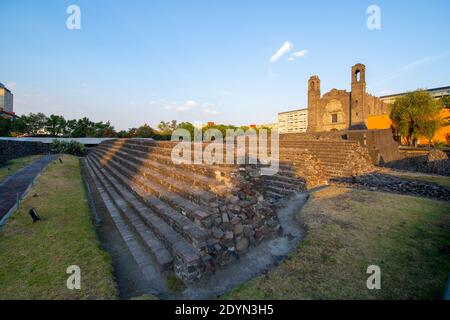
194,218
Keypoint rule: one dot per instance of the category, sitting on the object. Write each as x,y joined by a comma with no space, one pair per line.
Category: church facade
340,109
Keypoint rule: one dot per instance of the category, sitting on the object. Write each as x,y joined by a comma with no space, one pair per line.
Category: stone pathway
17,185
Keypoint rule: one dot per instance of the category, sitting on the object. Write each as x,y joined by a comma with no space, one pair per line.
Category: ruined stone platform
192,220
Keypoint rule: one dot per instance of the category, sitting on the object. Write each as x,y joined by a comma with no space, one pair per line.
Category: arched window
357,75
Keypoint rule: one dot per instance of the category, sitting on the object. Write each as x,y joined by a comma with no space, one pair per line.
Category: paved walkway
18,184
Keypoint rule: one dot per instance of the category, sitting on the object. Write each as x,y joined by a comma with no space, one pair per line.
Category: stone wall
17,149
380,144
422,160
336,157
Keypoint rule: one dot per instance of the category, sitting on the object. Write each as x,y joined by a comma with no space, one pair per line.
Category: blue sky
136,62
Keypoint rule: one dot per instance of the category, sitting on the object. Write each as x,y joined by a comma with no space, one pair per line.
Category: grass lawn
34,257
15,165
440,180
348,230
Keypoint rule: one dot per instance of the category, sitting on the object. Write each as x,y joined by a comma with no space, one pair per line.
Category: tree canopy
416,114
35,124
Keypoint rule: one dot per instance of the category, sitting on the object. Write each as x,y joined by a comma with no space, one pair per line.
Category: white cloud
207,108
191,103
177,106
285,48
298,54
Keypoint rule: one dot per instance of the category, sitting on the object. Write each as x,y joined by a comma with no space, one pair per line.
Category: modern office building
293,121
6,99
436,93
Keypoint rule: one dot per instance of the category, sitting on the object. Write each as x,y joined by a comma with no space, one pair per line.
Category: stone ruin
195,218
437,162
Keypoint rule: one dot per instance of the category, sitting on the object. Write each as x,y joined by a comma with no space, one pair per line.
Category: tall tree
5,127
416,114
84,128
145,131
19,126
55,125
70,127
35,122
104,129
187,126
167,127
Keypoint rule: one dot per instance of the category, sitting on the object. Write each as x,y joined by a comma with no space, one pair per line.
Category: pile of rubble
389,183
437,162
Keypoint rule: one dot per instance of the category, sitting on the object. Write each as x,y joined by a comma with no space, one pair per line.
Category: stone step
193,233
145,221
274,181
337,173
157,181
326,157
323,142
338,153
315,147
137,250
210,171
141,142
275,195
189,191
279,190
129,178
150,149
286,179
178,171
117,206
174,171
334,144
291,169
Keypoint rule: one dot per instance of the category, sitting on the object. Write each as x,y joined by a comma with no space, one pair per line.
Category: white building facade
293,121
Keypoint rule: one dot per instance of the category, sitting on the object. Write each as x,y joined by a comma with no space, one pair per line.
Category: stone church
342,110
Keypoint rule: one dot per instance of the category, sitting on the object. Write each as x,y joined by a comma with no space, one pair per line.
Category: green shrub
162,137
71,147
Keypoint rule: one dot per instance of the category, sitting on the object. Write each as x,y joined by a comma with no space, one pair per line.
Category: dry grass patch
346,231
34,257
